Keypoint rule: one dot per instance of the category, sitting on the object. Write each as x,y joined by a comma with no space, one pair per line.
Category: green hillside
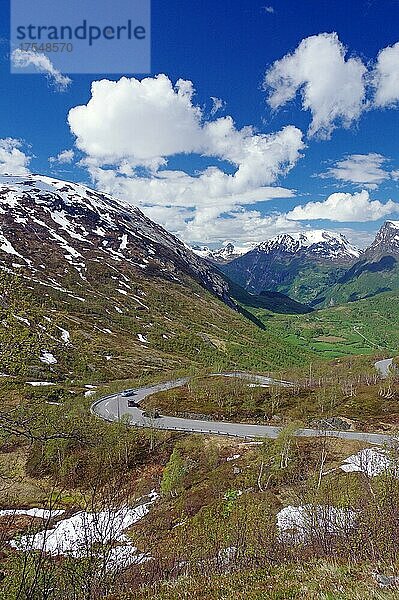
367,326
363,280
164,327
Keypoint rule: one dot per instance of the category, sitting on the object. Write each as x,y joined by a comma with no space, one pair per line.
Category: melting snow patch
85,532
37,513
48,358
371,461
300,523
39,383
65,335
22,320
123,243
142,338
234,457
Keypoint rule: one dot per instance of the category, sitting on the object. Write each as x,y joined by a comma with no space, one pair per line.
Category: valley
252,406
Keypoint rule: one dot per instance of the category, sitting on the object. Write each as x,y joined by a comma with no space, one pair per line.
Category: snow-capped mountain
386,241
225,254
298,264
318,243
55,232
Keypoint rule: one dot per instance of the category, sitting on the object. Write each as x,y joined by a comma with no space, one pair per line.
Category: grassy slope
341,330
205,516
364,280
300,279
183,327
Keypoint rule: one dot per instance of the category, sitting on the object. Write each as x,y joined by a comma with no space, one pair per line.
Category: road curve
384,366
113,407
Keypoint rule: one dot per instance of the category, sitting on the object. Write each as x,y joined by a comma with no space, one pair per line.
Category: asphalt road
112,408
383,367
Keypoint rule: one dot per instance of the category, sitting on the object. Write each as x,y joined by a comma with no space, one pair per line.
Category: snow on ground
37,513
39,383
77,535
22,319
142,338
48,358
299,523
123,244
234,457
89,393
6,246
65,335
371,461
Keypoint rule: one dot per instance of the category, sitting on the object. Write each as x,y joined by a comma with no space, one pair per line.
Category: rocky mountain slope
298,264
79,227
386,241
92,288
376,272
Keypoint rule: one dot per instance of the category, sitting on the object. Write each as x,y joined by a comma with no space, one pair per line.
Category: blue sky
225,49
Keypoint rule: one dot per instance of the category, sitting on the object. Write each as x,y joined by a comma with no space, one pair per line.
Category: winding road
113,407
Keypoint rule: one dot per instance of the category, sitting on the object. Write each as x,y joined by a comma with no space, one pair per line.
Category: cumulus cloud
217,104
144,122
344,207
63,158
22,59
130,128
13,161
366,170
269,9
332,86
386,77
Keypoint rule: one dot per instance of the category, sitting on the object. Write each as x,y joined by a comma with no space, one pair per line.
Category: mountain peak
386,240
53,231
316,243
225,254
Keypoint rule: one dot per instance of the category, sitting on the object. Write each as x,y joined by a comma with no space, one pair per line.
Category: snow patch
48,358
85,532
301,523
371,461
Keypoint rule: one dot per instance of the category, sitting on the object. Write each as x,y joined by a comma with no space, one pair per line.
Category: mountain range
97,287
94,286
319,267
223,255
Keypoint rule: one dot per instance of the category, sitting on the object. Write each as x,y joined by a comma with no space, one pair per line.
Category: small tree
173,474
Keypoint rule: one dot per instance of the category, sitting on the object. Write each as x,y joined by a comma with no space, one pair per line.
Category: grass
364,327
232,399
316,580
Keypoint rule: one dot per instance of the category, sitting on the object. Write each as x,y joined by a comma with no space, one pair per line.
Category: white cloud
130,128
63,158
332,87
144,122
269,9
365,170
13,161
386,77
22,59
344,207
217,104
